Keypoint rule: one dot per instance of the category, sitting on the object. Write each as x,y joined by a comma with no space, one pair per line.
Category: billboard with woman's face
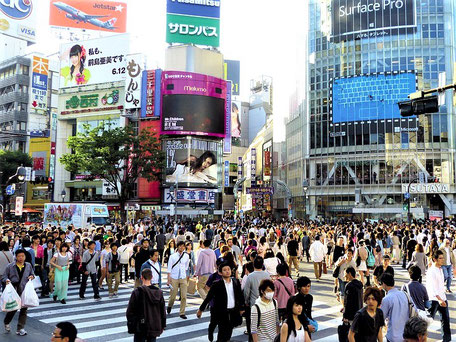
94,61
193,162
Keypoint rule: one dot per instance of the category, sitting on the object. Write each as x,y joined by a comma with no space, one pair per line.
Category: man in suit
228,303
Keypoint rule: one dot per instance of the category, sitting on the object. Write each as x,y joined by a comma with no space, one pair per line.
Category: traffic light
419,106
50,187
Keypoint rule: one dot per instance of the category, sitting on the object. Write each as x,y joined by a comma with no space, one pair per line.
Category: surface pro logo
384,5
16,9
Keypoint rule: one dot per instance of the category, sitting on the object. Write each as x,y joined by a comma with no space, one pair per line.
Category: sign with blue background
227,173
198,8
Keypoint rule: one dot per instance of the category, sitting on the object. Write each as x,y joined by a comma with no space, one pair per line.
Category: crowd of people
249,270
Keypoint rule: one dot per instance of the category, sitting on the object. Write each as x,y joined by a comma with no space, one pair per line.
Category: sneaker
54,298
116,295
82,297
63,301
21,332
97,298
7,328
183,316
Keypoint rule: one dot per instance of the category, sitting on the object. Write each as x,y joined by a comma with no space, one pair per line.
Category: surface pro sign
358,19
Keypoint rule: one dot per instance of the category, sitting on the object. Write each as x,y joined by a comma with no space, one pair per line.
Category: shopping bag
191,288
29,297
325,269
10,300
37,282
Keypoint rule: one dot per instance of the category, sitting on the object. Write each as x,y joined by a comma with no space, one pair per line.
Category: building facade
361,154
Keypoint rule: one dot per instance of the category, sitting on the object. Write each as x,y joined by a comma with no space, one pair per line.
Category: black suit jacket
218,294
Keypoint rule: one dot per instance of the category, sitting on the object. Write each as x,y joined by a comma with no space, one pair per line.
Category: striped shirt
269,320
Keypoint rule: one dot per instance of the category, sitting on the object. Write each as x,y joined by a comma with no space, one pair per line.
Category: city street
105,320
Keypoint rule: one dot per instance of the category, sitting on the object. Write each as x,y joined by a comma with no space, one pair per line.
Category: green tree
118,155
9,162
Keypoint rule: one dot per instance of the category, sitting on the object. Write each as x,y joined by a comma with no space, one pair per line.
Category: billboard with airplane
90,15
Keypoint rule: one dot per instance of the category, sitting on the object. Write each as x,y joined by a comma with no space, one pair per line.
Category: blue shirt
396,311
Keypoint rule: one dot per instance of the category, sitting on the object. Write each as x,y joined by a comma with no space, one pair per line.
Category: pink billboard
193,104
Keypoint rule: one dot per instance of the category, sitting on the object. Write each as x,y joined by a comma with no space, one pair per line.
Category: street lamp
63,194
305,187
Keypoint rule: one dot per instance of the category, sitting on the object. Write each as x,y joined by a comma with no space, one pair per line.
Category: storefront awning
84,184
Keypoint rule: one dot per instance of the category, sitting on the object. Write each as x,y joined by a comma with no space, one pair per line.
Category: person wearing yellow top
76,74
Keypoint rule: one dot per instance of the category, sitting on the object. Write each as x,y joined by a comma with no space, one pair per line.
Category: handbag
313,323
336,272
191,289
342,332
325,269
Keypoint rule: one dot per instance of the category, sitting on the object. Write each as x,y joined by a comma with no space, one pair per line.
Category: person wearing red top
284,289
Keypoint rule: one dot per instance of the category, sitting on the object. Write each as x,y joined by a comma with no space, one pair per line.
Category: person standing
305,241
317,254
161,242
385,268
89,268
6,257
124,254
450,261
146,317
293,329
416,290
395,307
61,262
177,276
284,289
140,258
154,265
368,322
343,263
228,304
264,314
353,298
435,286
292,249
396,249
205,266
419,259
18,273
64,331
113,270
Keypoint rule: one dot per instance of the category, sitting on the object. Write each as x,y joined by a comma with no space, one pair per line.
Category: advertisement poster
239,168
133,83
192,30
100,15
39,85
232,72
358,19
227,140
18,19
151,93
267,163
192,161
94,61
236,115
193,104
226,173
91,102
253,167
19,206
63,214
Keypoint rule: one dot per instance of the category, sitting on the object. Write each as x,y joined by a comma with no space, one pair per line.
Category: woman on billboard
76,74
235,122
192,170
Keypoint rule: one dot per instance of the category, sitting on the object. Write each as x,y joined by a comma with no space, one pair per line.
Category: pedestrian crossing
105,320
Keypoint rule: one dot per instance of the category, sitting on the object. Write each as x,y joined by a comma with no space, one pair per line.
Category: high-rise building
360,157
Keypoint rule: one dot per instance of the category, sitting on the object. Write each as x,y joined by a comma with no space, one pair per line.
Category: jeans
342,287
124,269
93,278
448,274
444,318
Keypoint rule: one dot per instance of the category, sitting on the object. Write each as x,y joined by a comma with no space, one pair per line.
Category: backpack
370,258
259,313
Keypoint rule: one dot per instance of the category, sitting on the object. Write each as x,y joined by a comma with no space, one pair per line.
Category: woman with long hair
61,262
293,328
191,254
76,73
419,259
192,169
170,249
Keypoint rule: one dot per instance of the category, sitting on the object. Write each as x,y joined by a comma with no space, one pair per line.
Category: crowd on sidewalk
248,271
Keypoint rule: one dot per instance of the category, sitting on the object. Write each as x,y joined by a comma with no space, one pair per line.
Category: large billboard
199,8
358,19
193,162
107,100
94,61
232,72
18,19
151,93
101,15
133,83
193,104
370,97
236,115
192,30
39,85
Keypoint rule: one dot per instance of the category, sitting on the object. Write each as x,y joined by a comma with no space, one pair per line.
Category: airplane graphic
78,16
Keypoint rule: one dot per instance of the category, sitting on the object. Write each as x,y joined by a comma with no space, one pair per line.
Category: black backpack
259,312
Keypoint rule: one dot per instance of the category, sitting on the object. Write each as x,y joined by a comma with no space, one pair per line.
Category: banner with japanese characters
151,93
193,30
192,195
94,61
133,83
39,85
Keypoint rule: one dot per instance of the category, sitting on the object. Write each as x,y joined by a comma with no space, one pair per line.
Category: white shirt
180,270
317,251
448,256
435,283
155,276
230,294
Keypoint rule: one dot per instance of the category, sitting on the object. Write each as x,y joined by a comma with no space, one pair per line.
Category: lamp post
63,194
305,187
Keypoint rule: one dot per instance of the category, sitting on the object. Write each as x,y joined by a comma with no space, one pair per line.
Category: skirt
362,266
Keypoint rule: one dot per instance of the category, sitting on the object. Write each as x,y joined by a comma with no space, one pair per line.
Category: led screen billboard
358,19
193,104
370,97
193,162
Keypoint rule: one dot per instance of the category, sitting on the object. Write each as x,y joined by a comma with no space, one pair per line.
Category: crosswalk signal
429,104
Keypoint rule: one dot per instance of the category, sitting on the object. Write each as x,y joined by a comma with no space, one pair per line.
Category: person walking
146,317
284,289
154,265
293,251
140,258
415,330
65,331
317,254
161,243
177,277
6,257
264,314
435,286
368,322
305,242
113,269
416,290
124,254
89,268
293,328
205,266
353,298
395,307
227,304
419,259
18,273
450,261
61,262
